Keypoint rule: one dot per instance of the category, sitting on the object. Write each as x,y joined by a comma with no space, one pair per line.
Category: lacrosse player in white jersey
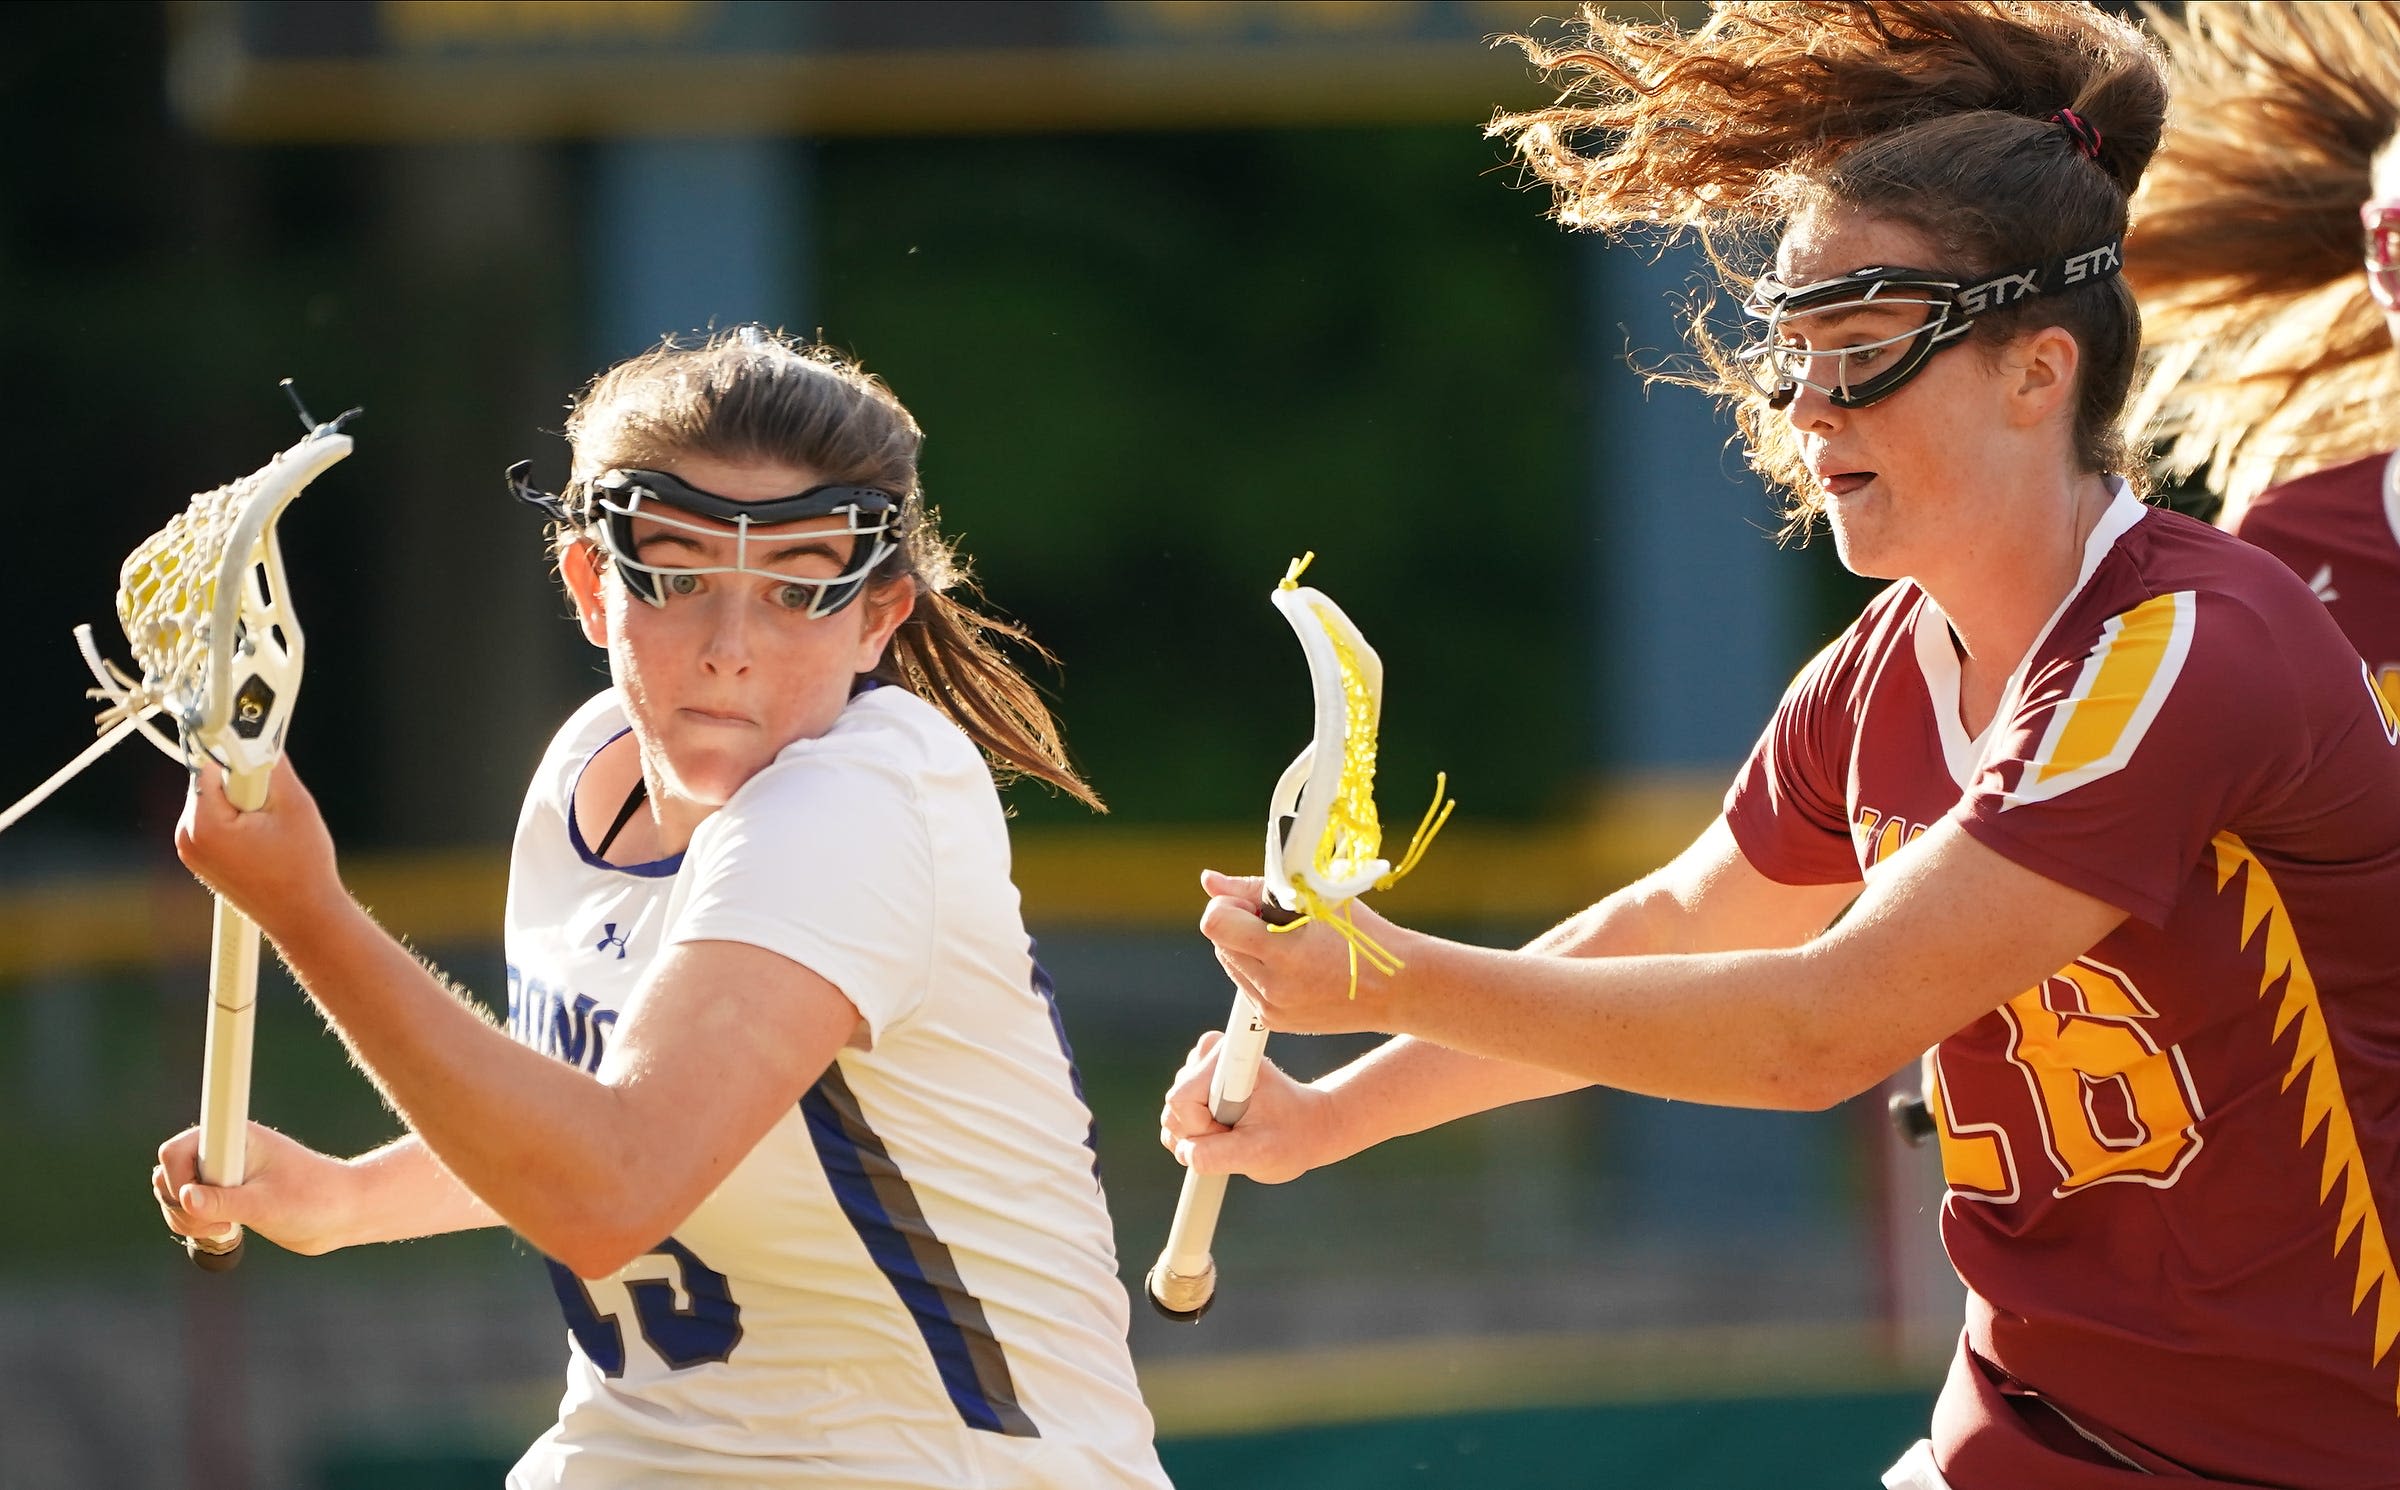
783,1098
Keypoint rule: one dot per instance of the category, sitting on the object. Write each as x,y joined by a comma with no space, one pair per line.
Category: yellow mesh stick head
168,587
1352,834
1330,852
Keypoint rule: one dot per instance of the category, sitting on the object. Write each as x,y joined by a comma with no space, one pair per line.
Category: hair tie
2079,129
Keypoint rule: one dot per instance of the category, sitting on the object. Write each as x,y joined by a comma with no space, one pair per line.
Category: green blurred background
1178,290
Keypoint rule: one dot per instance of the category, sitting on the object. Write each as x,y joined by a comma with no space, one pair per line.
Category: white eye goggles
871,520
1863,372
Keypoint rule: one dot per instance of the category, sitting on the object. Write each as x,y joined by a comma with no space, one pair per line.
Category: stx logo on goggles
2070,269
1994,293
2094,262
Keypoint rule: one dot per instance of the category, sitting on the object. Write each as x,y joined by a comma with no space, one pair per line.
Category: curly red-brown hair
1935,116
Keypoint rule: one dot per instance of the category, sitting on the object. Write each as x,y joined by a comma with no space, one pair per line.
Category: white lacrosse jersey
911,1280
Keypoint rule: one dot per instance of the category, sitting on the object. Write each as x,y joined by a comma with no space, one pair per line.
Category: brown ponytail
1938,116
949,654
750,395
2269,357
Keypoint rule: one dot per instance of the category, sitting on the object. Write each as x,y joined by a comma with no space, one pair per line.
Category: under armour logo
611,939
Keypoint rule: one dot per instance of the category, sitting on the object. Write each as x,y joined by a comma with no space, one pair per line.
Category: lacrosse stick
211,627
1323,838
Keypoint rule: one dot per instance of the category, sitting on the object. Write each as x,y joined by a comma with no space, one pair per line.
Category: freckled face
732,669
1887,474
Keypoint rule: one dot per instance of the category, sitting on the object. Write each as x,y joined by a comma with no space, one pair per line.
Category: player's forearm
405,1192
1408,1085
1949,931
1708,900
1736,1029
537,1140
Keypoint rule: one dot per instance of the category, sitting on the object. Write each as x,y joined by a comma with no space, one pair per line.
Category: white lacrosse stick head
1323,837
210,625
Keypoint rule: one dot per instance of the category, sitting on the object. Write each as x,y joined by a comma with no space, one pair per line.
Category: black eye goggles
871,519
1867,371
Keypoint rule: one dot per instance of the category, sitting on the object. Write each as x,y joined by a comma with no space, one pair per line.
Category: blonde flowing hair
2269,359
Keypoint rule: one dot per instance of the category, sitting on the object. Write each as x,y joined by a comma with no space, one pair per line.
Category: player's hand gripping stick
1184,1282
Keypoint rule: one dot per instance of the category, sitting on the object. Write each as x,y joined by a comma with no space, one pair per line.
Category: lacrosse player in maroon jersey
2112,804
2273,346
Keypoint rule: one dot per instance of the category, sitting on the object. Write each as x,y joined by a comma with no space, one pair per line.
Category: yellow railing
1097,878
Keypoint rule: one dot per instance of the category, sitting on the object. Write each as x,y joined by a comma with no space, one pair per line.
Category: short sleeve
826,860
2133,745
1789,807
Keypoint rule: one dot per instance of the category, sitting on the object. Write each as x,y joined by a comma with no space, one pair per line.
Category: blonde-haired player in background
2266,252
788,1105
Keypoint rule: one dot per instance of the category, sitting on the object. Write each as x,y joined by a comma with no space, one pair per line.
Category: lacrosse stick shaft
225,1062
1183,1283
73,768
225,1068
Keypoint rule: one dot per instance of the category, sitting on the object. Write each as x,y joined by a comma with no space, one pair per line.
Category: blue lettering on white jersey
568,1026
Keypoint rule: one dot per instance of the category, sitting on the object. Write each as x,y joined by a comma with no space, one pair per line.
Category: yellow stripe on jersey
2324,1104
2122,685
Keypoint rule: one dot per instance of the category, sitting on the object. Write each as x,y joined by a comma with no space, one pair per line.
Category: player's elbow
603,1254
1825,1092
592,1263
1798,1087
1840,1073
1820,1054
1815,1074
599,1241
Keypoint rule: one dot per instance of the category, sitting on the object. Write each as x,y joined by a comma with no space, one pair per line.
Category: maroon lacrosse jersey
2339,529
2172,1166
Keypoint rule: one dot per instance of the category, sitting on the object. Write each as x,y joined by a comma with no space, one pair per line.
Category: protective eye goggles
1913,313
2382,222
871,519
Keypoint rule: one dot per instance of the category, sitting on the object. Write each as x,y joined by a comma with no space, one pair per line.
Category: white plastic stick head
211,629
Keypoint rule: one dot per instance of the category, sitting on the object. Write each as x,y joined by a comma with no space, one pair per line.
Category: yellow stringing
167,589
1353,833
